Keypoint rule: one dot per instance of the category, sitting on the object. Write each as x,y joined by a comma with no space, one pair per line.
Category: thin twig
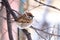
34,8
16,12
39,35
44,31
18,34
48,5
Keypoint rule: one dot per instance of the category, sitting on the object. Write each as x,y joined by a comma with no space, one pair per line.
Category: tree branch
6,4
9,26
8,10
27,34
39,35
44,31
48,5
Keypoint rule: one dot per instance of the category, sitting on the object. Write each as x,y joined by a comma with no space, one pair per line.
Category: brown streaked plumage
25,18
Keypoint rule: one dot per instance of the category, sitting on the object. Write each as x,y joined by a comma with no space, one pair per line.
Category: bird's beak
32,16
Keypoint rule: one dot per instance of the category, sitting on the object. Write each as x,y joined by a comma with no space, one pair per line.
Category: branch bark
9,26
6,4
27,34
9,11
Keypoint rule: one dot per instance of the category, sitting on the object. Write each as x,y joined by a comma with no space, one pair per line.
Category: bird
25,20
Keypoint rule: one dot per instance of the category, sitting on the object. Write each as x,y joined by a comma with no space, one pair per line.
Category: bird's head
25,18
29,15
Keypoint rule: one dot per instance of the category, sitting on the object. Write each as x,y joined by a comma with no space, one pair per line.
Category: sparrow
25,19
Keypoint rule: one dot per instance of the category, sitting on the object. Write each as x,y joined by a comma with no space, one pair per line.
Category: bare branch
48,5
27,34
16,12
39,35
34,8
44,31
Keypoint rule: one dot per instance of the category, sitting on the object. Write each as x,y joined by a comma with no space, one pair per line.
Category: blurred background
45,18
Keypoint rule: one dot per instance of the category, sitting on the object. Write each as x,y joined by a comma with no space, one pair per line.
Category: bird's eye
30,17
